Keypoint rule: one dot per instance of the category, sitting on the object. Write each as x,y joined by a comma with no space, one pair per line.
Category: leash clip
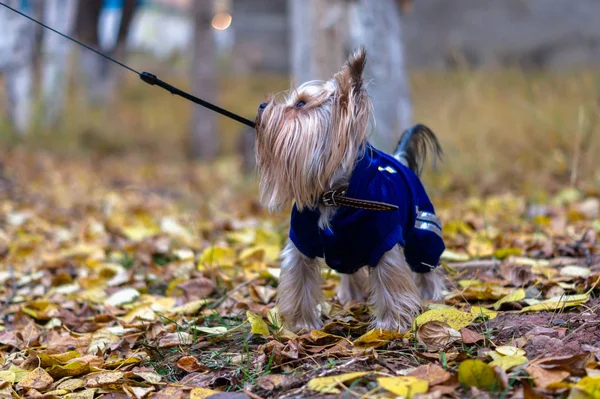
328,198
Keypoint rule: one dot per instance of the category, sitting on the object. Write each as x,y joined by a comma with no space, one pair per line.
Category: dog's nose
262,106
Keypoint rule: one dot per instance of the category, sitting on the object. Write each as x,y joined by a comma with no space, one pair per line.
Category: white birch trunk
204,137
324,32
59,14
377,25
17,40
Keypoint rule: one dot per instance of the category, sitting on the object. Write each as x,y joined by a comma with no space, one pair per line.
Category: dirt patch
547,333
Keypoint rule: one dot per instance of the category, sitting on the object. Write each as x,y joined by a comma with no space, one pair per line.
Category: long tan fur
308,141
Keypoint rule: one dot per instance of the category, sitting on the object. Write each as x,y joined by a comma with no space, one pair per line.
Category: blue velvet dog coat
359,237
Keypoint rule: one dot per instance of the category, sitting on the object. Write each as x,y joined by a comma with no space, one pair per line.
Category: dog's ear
350,79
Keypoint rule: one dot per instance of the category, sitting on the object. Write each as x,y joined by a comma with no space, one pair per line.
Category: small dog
354,205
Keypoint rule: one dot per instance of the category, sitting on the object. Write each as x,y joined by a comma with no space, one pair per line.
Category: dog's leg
430,285
353,287
394,294
299,292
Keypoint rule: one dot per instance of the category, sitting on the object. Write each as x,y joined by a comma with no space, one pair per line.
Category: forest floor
147,276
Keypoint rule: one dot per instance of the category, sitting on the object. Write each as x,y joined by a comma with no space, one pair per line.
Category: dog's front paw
305,326
395,325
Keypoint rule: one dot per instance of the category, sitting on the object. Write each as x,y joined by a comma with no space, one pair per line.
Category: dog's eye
299,104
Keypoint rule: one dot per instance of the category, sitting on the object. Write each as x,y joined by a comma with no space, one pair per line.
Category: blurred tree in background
204,137
324,32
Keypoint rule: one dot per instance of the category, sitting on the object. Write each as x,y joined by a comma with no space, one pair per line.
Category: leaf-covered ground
130,279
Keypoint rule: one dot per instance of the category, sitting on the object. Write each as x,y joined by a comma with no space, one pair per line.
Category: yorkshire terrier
354,206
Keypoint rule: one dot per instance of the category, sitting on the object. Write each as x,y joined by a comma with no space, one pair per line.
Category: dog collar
337,197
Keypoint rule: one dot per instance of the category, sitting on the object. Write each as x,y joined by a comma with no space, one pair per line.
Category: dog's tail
412,147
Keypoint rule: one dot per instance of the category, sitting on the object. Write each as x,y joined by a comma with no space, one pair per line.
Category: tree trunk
318,38
377,26
325,32
204,138
100,75
61,15
17,41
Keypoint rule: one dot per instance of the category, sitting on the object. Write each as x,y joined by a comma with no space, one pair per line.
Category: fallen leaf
121,297
330,384
191,364
483,312
432,373
508,362
259,326
542,377
587,387
376,338
38,379
575,271
470,337
453,317
437,334
201,393
510,351
404,386
475,373
515,296
556,303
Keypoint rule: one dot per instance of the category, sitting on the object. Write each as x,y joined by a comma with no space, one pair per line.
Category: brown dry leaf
137,392
376,338
470,336
106,379
38,379
197,288
432,373
271,381
437,334
543,377
175,339
191,364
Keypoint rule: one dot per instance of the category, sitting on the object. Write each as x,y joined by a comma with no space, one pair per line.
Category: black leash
146,76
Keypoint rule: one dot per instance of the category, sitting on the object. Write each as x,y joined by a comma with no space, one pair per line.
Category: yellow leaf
480,246
38,379
71,384
508,362
217,257
259,326
328,384
142,312
86,394
503,253
68,370
201,393
453,317
558,302
404,386
190,308
507,350
481,311
589,386
547,272
376,338
475,373
139,232
514,296
211,330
